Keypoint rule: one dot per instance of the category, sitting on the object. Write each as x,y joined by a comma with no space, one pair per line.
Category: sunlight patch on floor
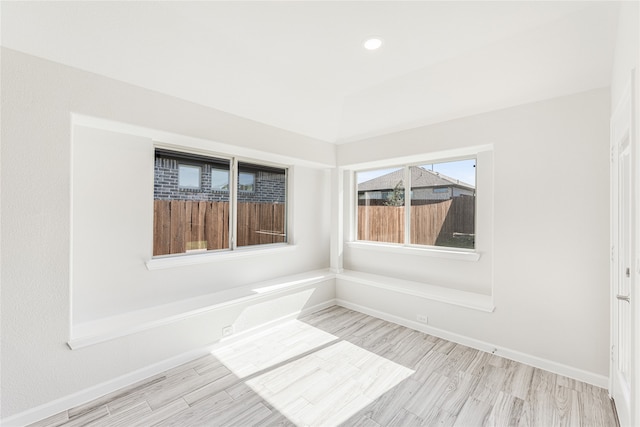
330,385
270,347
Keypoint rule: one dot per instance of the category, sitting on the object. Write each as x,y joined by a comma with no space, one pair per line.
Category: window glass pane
381,205
246,181
262,193
189,176
189,217
443,200
220,179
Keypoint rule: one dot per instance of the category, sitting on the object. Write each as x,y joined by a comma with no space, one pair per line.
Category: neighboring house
426,186
181,176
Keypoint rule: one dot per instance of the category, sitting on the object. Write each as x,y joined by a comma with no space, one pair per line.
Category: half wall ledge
443,294
109,328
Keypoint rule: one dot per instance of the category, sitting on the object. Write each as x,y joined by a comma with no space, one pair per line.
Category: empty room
367,213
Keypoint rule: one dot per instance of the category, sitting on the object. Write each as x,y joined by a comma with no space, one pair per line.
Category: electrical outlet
422,318
227,330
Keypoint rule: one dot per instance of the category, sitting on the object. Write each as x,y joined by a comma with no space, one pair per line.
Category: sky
464,170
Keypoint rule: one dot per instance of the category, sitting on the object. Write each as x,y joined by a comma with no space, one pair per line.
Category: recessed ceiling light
372,43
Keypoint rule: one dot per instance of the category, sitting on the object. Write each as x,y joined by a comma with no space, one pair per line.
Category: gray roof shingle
420,178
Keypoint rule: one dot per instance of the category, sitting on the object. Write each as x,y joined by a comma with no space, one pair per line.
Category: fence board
262,237
162,228
176,220
188,238
201,225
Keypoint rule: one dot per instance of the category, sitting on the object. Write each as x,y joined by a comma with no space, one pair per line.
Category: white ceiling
300,65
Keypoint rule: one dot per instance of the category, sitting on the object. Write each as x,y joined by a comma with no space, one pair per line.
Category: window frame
188,258
406,246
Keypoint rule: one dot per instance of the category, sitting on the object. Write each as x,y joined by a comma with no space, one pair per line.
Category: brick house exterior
269,184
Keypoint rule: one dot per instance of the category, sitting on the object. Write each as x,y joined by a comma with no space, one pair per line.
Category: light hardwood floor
341,367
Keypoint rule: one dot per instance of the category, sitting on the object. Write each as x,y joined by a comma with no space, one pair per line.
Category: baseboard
83,396
548,365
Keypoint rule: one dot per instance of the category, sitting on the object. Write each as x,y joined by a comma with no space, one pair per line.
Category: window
189,176
438,208
194,209
220,179
246,181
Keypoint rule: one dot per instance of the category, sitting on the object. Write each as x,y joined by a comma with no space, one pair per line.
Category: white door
622,364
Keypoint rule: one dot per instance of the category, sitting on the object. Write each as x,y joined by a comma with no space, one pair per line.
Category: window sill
457,254
209,257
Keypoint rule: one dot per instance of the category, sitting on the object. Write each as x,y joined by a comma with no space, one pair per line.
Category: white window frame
172,260
406,247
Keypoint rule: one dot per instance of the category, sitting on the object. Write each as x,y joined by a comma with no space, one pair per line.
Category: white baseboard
83,396
548,365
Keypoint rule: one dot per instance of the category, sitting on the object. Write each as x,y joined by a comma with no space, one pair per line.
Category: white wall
550,268
627,48
38,97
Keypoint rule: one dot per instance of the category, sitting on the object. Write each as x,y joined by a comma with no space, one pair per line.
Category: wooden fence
181,226
431,224
381,223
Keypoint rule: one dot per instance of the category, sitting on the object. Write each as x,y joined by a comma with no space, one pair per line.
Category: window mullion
353,181
233,205
407,205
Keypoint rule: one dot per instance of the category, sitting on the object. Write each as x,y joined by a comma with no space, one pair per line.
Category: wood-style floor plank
474,413
124,418
53,421
340,367
200,413
160,414
506,411
88,417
